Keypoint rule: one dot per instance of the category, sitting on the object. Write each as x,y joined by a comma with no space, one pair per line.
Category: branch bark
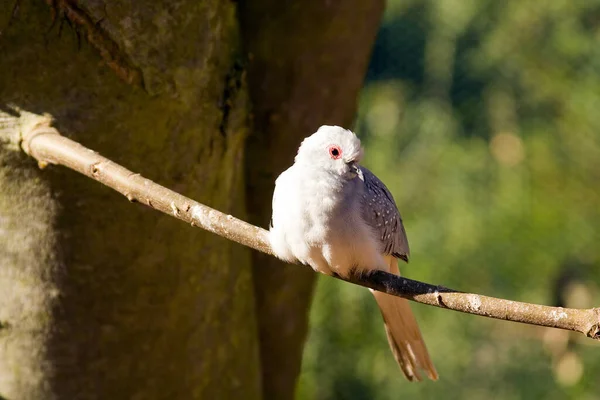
45,144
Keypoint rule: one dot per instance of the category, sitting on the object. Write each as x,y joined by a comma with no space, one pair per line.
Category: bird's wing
380,212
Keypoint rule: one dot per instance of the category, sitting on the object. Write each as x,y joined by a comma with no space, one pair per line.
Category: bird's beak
354,168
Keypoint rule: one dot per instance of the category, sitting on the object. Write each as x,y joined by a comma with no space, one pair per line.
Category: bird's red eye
335,152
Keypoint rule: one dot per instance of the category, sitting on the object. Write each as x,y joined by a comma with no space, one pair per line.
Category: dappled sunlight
507,149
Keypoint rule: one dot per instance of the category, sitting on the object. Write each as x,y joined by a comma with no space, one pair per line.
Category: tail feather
403,334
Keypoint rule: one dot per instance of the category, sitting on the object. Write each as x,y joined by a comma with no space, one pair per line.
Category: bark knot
594,331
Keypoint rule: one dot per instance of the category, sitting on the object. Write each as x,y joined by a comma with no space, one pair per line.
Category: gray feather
380,212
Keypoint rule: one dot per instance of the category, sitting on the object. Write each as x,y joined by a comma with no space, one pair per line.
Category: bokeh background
483,119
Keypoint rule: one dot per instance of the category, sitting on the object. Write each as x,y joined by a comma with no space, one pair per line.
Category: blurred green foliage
483,119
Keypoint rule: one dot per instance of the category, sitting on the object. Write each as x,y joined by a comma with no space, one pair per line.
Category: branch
41,141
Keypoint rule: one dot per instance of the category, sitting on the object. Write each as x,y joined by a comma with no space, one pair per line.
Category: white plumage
336,216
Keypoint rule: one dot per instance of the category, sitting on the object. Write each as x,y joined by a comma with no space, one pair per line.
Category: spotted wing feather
380,212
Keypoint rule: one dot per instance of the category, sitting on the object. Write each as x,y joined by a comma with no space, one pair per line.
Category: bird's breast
320,223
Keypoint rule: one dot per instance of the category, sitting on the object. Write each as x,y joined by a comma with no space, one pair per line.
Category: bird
333,214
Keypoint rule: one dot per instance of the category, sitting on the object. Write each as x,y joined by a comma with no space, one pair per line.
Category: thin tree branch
44,143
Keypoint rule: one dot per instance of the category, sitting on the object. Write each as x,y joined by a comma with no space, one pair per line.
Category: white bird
338,217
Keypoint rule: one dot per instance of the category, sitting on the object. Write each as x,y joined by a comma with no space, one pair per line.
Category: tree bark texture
307,61
98,299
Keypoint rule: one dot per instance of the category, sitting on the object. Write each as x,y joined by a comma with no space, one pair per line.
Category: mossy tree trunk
101,299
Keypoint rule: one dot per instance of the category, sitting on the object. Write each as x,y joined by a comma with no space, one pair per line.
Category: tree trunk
307,64
101,299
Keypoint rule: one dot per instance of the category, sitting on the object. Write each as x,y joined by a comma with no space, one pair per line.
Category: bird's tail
403,333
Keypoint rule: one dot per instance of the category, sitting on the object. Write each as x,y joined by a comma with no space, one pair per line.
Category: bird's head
333,149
